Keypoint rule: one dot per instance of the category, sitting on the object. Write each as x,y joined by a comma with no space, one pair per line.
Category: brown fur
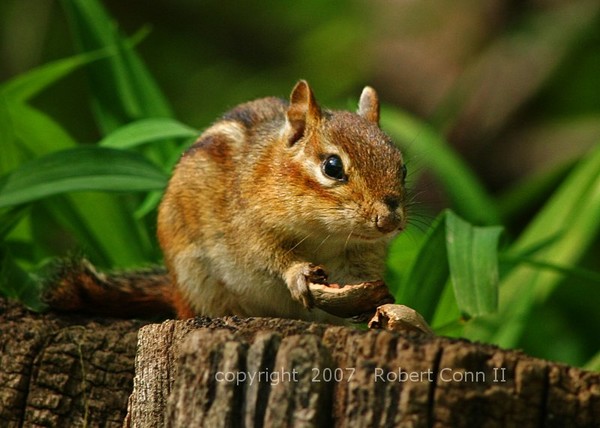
245,200
249,214
77,286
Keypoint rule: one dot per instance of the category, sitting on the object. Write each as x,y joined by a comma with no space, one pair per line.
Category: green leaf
424,283
401,254
148,205
11,152
448,320
593,364
67,214
25,86
567,225
103,228
82,168
152,199
38,133
473,260
468,196
101,223
26,132
30,133
9,219
574,272
122,87
146,131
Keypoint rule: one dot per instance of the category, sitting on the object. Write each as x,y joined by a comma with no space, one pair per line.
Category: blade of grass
153,198
34,134
26,132
63,213
93,219
37,132
82,168
571,271
103,228
572,215
401,255
594,363
122,88
146,131
424,283
11,152
473,261
9,219
27,85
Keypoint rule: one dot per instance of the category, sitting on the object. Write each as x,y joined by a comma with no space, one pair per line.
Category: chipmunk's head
346,171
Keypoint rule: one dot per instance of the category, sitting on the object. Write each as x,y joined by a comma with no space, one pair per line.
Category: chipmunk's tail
76,286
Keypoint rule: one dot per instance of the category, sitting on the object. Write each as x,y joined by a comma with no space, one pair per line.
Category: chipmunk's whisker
348,239
298,243
322,242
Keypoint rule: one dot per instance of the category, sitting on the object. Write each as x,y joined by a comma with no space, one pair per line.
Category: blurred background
514,86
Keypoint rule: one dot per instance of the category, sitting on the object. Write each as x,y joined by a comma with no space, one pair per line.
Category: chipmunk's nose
388,217
387,223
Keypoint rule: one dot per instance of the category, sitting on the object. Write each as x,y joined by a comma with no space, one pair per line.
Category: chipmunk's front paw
299,276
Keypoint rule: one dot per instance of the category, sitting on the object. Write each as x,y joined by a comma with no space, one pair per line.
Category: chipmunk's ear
368,106
303,111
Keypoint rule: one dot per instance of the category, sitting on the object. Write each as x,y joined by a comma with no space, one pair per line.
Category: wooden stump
260,372
59,370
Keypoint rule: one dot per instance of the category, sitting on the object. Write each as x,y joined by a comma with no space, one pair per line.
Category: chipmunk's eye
403,172
334,168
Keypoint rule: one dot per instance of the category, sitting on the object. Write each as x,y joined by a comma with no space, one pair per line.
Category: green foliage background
94,112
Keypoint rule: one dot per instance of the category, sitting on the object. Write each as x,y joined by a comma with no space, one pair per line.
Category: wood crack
432,389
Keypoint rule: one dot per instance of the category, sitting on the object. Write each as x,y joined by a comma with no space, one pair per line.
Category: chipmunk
271,197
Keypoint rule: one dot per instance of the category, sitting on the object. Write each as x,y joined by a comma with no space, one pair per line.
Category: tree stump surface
64,371
271,372
59,370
